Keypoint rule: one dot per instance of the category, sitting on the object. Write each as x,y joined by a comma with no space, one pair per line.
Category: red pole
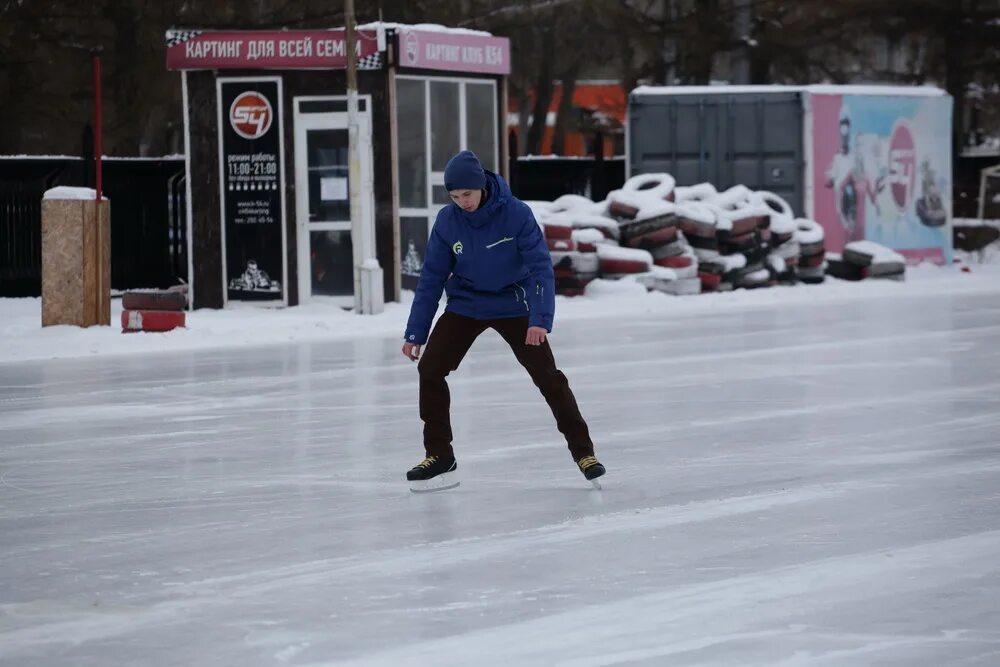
97,125
100,301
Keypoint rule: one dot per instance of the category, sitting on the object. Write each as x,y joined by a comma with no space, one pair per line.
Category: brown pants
451,339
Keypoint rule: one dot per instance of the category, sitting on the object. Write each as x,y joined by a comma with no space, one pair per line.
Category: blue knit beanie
464,171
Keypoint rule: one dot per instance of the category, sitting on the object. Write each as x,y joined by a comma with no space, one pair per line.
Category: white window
437,117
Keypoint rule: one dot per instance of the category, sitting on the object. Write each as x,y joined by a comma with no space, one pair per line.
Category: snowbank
22,338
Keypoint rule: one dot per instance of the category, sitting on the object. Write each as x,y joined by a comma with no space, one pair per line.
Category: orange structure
598,106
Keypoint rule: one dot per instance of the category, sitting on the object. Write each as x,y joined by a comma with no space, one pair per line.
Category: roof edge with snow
814,89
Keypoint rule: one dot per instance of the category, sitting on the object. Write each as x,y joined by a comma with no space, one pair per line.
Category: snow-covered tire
776,203
647,240
740,225
697,219
588,239
624,205
656,279
606,226
572,203
695,193
878,260
158,300
747,241
586,262
620,261
808,232
660,186
675,249
759,277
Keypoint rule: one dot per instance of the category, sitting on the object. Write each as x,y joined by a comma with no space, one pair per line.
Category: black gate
148,220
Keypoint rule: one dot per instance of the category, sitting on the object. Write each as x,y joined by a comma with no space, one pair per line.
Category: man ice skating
488,254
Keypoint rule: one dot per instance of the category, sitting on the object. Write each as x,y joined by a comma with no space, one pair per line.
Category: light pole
368,294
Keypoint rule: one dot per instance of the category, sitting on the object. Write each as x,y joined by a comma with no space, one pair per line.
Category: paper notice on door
333,189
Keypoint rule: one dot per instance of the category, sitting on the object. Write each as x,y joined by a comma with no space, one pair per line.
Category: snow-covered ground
797,477
22,338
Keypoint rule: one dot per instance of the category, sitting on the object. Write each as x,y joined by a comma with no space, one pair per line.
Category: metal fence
148,222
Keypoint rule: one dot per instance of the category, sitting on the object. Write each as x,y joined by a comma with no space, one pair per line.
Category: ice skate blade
442,482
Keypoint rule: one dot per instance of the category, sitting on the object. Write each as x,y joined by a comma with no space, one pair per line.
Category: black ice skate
433,474
591,469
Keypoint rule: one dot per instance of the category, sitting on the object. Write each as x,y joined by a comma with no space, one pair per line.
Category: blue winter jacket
492,263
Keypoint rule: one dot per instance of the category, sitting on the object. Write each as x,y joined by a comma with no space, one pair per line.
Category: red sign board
454,51
902,164
284,49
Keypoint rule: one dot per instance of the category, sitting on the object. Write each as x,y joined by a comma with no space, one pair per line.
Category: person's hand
411,351
536,336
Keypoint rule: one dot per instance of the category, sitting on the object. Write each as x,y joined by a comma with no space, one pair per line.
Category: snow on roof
815,89
423,27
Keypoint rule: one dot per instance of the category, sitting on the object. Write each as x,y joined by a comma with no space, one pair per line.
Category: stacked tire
783,252
697,222
812,253
744,230
154,311
865,259
617,262
690,239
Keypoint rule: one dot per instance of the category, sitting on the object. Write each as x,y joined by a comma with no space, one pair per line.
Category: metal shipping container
866,162
724,138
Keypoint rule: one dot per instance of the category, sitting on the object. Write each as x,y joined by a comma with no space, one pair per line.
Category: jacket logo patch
503,240
457,248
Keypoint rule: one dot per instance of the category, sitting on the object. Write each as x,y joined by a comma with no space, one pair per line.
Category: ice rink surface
806,486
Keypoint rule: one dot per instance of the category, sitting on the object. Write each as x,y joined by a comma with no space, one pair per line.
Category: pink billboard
454,51
881,171
275,49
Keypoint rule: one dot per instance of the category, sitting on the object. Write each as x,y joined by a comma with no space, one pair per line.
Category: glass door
323,204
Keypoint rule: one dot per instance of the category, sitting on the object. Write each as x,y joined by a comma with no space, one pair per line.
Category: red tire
653,238
152,320
676,262
710,281
614,266
811,261
744,225
558,232
561,245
